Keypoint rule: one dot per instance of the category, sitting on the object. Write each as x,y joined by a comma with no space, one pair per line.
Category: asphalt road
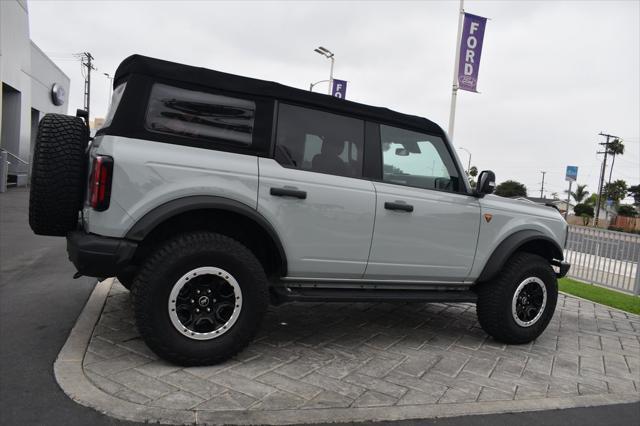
39,304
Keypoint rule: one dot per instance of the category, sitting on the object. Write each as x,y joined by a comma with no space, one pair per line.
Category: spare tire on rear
58,176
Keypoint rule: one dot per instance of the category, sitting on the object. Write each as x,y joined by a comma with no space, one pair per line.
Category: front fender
512,244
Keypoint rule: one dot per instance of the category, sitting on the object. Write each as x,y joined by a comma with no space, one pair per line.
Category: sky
553,74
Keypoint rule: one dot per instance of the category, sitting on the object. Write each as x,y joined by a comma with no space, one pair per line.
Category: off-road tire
495,298
58,176
126,279
152,286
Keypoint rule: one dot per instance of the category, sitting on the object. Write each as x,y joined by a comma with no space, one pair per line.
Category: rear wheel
58,174
518,304
200,298
126,278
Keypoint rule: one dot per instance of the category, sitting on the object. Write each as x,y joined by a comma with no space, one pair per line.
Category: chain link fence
606,258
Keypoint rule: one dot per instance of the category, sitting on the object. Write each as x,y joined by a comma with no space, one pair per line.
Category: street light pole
469,164
110,79
454,90
331,75
327,54
312,85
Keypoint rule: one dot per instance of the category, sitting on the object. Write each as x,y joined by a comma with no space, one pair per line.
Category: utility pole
542,187
602,173
86,59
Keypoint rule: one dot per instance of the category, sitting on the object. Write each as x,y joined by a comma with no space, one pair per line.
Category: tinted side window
417,159
200,115
319,141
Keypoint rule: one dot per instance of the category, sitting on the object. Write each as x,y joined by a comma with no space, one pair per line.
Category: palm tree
579,194
615,148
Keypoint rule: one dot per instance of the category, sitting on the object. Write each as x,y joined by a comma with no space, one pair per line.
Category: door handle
398,206
286,192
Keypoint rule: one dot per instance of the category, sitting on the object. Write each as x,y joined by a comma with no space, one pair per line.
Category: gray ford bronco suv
211,195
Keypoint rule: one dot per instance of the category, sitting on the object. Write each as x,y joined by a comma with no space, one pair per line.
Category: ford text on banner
339,89
470,51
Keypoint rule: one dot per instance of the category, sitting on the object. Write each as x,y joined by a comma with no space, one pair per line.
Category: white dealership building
32,85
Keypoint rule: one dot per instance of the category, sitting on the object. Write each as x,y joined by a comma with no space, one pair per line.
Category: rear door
313,193
426,224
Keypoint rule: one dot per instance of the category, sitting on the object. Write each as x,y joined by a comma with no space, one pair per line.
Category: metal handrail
16,157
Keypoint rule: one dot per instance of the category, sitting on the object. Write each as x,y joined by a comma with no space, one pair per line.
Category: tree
585,211
615,148
627,210
579,194
511,188
471,174
615,191
591,200
634,192
554,195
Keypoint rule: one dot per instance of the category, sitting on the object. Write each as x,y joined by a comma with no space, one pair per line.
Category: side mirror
486,183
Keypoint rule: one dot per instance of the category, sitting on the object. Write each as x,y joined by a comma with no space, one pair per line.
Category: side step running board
287,294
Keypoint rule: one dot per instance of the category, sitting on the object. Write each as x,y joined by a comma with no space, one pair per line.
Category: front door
426,226
313,194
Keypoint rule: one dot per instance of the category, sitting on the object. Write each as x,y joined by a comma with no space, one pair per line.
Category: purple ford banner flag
339,89
470,51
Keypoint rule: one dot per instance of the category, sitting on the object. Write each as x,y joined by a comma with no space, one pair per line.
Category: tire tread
493,295
185,244
58,174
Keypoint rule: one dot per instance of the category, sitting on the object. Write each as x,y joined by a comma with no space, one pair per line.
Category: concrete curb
611,308
70,376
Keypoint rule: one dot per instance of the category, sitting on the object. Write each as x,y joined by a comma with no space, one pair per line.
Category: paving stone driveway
336,355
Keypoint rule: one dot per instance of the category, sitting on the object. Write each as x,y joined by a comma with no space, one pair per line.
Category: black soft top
151,67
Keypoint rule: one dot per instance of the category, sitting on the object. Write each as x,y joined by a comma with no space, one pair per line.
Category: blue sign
572,173
339,89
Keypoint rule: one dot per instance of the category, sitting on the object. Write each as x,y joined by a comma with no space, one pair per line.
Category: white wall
43,74
25,68
15,56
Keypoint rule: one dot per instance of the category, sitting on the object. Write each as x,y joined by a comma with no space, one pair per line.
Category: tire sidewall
165,277
539,270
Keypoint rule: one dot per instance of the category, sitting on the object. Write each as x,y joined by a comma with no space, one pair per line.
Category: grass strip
615,299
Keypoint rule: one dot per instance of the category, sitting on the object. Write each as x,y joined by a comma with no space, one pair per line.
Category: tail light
100,182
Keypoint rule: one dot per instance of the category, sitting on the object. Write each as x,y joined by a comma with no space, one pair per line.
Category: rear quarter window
200,115
115,101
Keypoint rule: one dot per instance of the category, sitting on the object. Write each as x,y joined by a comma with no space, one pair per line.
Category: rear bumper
97,256
563,267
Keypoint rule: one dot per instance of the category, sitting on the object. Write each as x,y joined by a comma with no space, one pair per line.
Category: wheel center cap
203,301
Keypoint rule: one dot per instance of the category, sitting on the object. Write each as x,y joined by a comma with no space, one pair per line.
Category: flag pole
454,91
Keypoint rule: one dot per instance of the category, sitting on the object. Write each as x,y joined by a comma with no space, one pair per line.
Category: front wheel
518,304
200,298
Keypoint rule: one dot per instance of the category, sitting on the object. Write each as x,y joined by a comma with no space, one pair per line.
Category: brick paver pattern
330,355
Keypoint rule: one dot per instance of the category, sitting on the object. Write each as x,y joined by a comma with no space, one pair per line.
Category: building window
319,141
200,115
416,159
